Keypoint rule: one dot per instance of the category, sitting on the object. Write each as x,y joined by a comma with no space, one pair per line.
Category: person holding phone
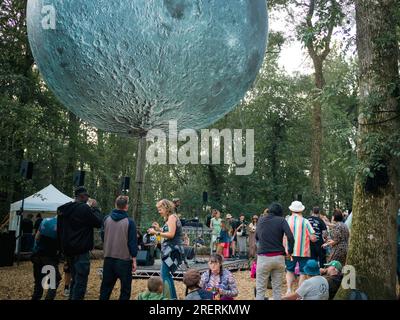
75,223
172,251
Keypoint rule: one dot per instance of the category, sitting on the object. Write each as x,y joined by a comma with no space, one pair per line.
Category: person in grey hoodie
120,250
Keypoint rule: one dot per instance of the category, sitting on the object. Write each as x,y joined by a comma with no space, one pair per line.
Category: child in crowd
224,240
155,290
191,279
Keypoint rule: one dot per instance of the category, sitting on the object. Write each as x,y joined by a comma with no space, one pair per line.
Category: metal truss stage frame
145,272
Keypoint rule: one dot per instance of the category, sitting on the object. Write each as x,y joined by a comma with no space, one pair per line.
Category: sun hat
228,216
254,217
336,264
296,206
312,268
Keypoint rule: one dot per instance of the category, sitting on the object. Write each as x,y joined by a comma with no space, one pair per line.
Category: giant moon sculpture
127,66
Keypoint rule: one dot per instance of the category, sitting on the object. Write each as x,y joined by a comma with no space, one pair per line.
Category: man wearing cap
303,233
333,274
75,224
315,287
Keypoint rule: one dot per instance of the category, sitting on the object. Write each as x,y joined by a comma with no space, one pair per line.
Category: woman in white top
215,226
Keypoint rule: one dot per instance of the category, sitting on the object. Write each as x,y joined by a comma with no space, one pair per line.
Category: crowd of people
297,245
312,250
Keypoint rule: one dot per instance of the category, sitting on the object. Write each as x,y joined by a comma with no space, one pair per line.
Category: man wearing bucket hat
303,233
333,274
315,287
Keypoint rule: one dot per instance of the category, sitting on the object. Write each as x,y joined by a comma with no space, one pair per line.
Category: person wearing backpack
45,254
75,223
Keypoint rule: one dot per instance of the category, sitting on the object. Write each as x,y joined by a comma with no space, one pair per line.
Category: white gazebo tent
45,201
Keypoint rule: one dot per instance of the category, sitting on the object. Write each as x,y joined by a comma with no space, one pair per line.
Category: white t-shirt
315,288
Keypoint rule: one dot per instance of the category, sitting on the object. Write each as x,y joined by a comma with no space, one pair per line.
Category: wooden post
139,180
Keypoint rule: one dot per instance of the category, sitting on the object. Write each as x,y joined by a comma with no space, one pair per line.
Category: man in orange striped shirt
303,233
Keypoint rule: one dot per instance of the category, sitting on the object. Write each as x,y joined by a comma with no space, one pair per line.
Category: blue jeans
169,290
114,269
80,269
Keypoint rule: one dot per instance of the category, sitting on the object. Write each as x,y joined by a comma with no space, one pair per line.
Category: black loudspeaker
7,249
125,183
26,170
189,253
144,258
79,178
205,196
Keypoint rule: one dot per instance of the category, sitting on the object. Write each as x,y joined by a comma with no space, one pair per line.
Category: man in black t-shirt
317,251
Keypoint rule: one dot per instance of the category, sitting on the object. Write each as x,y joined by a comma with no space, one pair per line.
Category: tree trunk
72,157
139,180
277,129
317,129
372,249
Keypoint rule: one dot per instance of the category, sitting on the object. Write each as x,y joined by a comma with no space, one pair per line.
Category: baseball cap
81,191
334,263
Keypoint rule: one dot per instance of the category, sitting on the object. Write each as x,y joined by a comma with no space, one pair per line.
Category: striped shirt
302,230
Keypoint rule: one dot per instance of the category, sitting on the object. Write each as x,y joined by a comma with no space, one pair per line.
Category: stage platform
145,272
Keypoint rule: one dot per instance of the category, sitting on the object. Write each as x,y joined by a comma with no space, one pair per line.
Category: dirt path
17,283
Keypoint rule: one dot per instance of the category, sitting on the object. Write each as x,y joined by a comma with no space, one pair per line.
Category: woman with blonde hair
172,252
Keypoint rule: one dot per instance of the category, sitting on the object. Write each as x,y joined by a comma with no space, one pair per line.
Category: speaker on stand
79,178
125,184
197,225
26,171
